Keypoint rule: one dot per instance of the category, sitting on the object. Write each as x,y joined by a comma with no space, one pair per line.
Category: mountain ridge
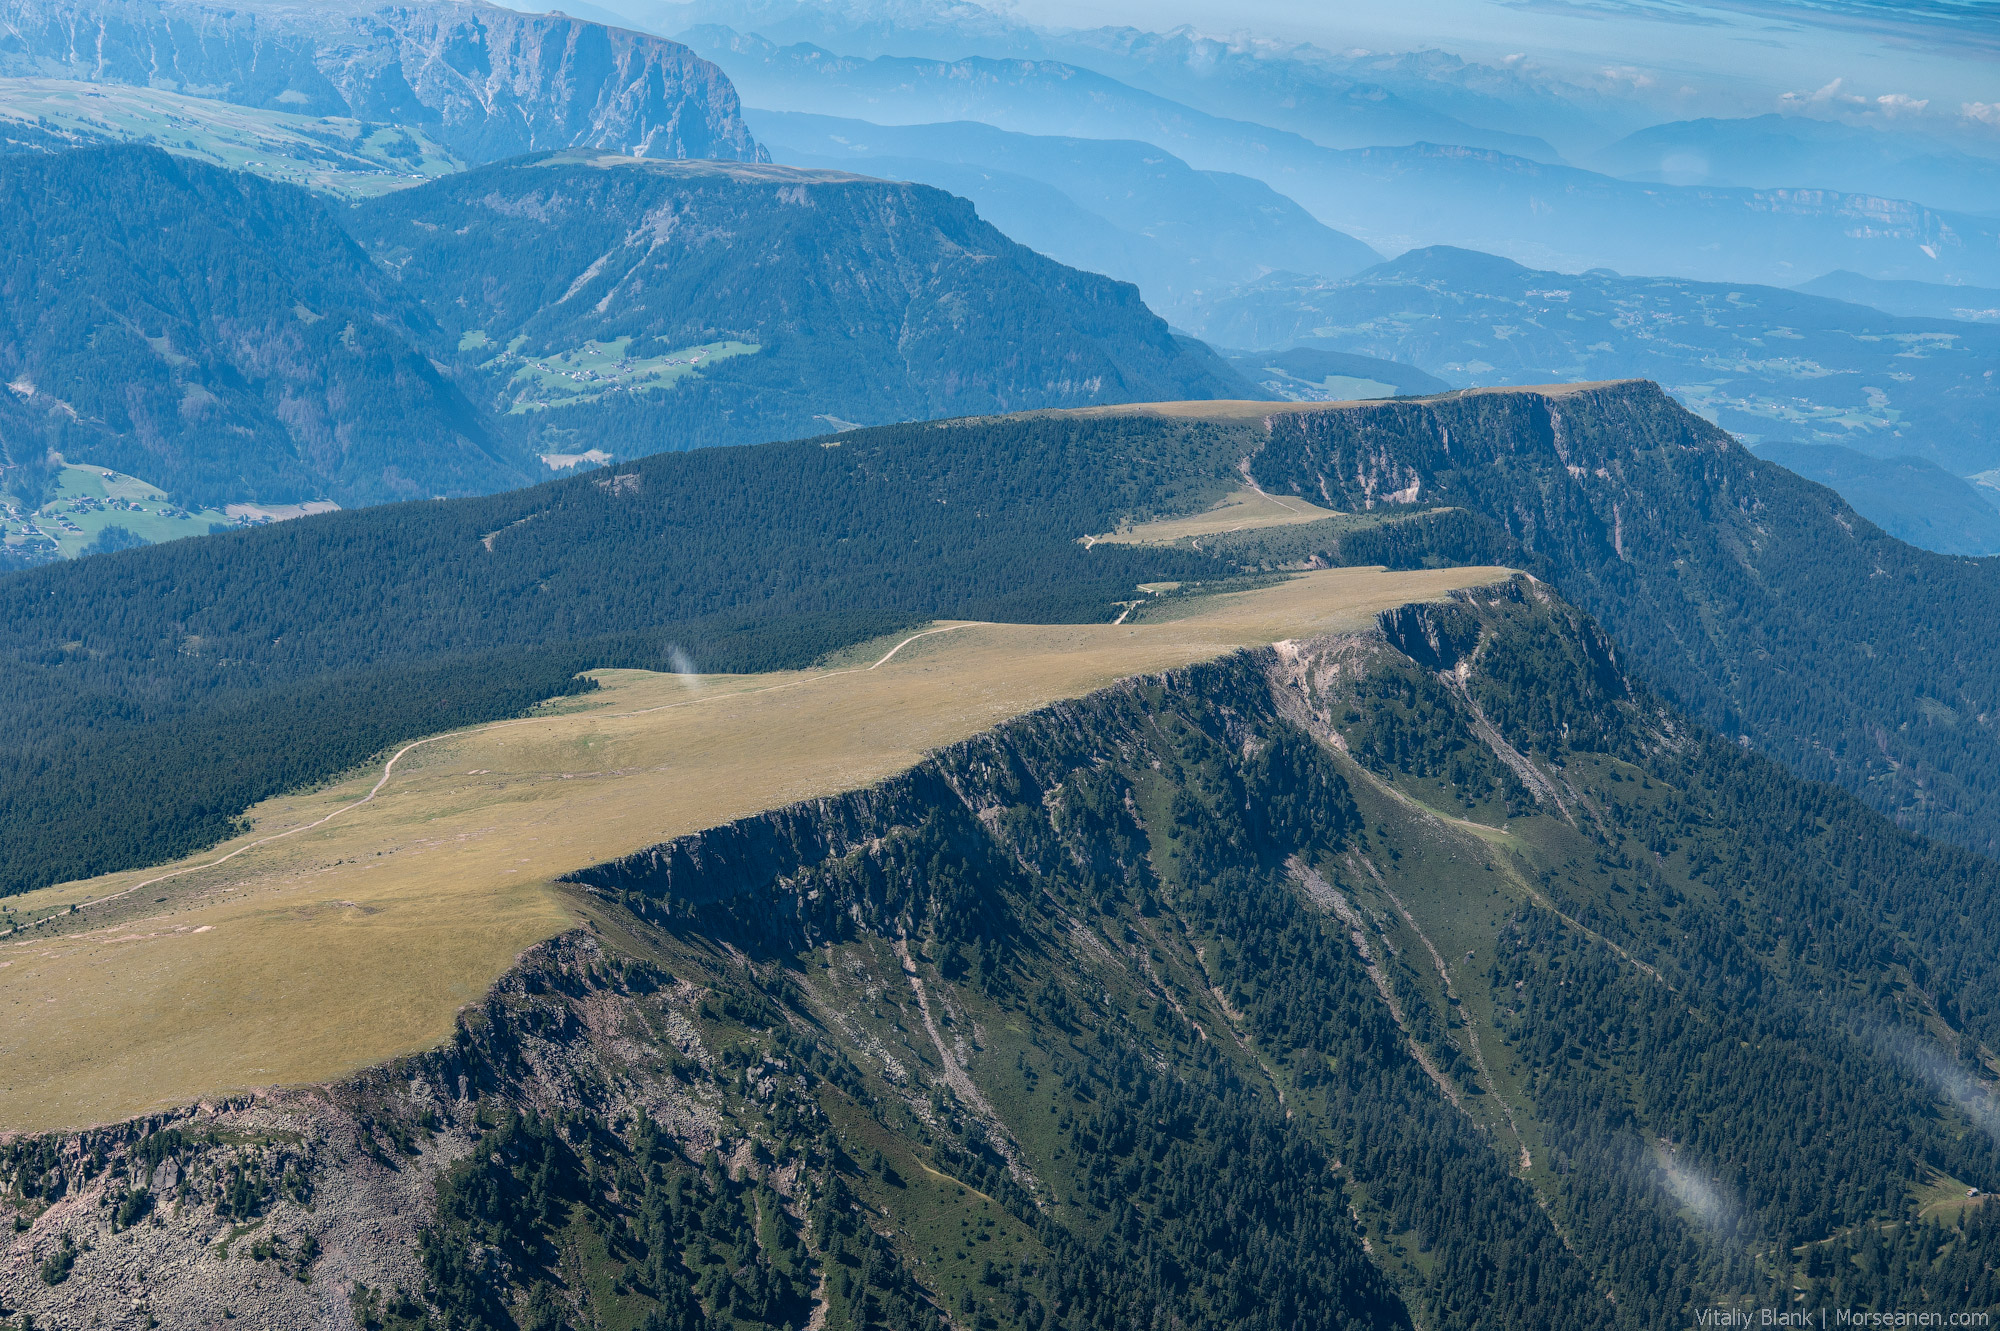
141,358
1147,217
221,336
1764,362
1650,518
490,82
867,301
1397,198
1153,1005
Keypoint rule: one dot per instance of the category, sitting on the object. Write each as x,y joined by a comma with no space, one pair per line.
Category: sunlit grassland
1240,510
356,940
595,370
88,499
332,154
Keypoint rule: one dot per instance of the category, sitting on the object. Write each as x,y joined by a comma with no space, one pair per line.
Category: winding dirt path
389,767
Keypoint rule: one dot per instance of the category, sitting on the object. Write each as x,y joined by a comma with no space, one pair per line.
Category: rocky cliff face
850,301
487,82
1755,599
1345,984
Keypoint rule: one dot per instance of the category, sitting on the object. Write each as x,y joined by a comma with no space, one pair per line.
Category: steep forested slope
1437,976
1754,599
220,336
223,337
731,304
1129,210
1911,499
149,697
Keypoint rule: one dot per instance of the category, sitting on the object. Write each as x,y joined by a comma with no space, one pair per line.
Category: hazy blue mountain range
1300,89
1915,300
935,29
1514,96
1334,97
1911,499
1395,198
1772,151
580,289
223,336
486,81
1761,361
1126,209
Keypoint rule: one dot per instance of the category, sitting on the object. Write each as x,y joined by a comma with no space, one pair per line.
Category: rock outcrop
487,82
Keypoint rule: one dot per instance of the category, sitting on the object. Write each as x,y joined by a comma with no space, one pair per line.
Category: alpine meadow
903,665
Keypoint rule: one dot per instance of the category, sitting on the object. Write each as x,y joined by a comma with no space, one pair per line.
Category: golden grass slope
331,154
1247,509
1243,409
359,935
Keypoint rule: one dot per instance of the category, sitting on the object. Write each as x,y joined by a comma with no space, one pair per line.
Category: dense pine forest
1528,1002
154,695
1758,601
221,336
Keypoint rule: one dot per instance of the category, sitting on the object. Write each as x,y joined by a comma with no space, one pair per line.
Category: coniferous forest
752,747
1137,1012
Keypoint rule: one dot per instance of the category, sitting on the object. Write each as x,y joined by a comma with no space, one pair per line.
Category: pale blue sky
1698,53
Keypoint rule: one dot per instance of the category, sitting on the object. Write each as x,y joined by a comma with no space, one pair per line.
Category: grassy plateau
362,928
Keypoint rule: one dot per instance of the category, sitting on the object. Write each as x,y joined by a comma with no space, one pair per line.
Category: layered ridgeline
220,336
1432,976
151,697
632,306
1492,196
1911,499
1763,362
223,337
1126,209
485,82
1754,599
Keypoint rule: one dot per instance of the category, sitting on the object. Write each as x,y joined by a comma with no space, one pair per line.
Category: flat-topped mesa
1249,409
1428,450
1756,599
1470,447
350,927
486,81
